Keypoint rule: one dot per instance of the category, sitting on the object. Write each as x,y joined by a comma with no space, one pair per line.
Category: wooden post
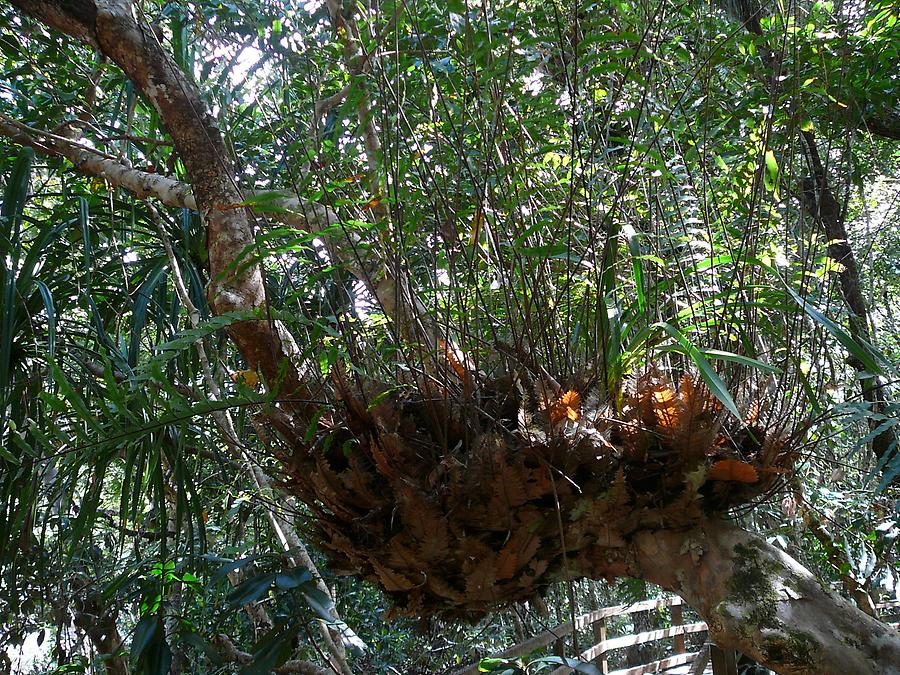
599,631
723,661
559,647
699,665
678,620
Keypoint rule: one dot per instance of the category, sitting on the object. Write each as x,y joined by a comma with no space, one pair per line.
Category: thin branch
283,529
231,654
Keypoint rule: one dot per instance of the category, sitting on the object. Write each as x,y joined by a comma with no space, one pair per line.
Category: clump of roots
456,506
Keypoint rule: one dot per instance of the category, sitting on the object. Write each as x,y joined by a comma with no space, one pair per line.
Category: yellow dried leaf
249,378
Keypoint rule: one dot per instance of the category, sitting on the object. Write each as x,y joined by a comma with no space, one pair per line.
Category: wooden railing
597,621
889,612
723,661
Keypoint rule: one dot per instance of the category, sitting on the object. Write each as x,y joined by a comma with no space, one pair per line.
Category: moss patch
751,584
793,649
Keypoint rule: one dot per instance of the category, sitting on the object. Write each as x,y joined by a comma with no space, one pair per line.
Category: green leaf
7,455
144,635
273,649
85,221
16,194
320,602
157,659
500,666
47,297
251,590
771,175
707,373
266,202
875,433
292,578
72,397
720,355
637,270
861,349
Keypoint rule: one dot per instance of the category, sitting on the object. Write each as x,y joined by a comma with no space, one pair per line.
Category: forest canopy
319,318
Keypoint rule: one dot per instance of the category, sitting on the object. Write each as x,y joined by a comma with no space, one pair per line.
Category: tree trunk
819,199
99,620
636,655
760,601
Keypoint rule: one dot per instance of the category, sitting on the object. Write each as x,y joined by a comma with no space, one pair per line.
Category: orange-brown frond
452,359
567,406
665,409
752,414
734,470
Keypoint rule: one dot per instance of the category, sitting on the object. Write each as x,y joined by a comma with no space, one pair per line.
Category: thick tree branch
93,163
886,124
98,618
73,17
290,210
757,599
111,26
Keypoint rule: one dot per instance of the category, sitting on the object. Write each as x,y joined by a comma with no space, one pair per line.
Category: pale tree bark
93,162
758,600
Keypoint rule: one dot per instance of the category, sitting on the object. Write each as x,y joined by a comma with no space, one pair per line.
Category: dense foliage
593,186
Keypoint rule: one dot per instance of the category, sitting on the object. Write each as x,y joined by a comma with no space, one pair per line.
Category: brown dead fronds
450,506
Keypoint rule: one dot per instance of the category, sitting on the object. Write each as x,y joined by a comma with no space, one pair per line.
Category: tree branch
886,125
759,600
231,654
111,27
94,163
